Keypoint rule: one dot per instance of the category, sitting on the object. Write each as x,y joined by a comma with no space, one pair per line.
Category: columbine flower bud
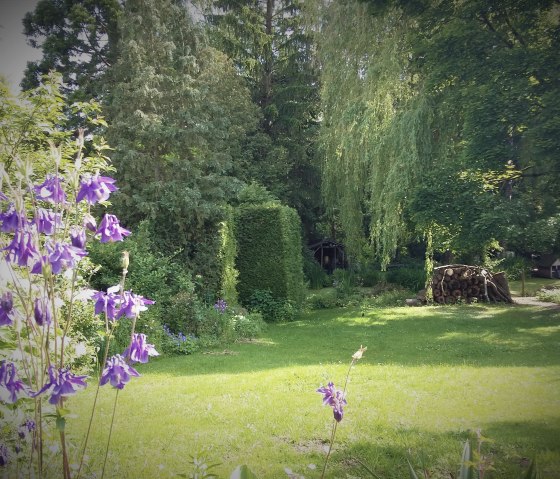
359,353
7,301
90,223
125,260
78,238
42,312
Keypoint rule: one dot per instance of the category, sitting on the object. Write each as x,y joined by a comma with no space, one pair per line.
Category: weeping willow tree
376,135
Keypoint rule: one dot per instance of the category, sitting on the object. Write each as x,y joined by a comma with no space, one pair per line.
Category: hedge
269,252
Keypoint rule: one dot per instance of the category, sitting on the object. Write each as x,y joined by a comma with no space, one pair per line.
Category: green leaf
411,471
532,472
373,474
60,423
466,471
242,472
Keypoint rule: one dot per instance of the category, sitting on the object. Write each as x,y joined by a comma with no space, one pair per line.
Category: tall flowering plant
336,399
50,179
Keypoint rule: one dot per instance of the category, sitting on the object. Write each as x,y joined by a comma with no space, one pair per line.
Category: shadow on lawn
511,447
478,336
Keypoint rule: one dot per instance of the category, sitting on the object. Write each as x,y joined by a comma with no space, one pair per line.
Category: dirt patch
533,301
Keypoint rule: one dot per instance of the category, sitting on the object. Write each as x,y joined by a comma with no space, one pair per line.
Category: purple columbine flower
107,303
220,306
111,230
51,190
6,309
139,349
4,455
47,221
117,372
60,256
333,398
62,383
11,387
22,248
42,312
26,428
78,237
95,188
12,220
90,223
3,197
133,304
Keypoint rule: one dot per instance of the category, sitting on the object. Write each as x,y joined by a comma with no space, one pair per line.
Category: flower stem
333,433
105,354
110,432
335,423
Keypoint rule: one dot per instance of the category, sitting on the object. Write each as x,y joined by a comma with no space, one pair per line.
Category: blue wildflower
95,188
333,398
117,372
110,229
51,190
62,383
11,387
139,349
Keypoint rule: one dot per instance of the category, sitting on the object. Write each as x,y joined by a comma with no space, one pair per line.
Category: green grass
430,377
532,285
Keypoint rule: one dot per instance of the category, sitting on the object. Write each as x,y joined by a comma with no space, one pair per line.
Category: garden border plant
48,186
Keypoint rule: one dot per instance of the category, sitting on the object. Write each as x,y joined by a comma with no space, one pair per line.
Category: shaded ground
533,301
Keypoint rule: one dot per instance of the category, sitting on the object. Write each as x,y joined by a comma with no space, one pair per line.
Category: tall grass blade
467,470
532,472
242,472
411,471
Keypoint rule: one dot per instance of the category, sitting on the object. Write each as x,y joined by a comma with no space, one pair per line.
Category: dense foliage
269,254
441,120
274,54
78,39
178,113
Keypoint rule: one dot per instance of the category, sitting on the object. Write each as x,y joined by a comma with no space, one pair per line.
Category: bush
249,325
322,301
179,344
315,276
269,255
272,309
371,276
388,299
514,267
411,276
549,295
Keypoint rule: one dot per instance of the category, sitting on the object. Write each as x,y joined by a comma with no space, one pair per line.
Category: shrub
315,276
514,267
269,255
271,309
411,276
388,298
227,255
179,343
549,295
249,325
321,301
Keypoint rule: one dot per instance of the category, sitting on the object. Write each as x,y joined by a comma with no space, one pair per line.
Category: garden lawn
532,285
431,377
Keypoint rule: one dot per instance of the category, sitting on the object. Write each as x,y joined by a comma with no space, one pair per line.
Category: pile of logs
459,282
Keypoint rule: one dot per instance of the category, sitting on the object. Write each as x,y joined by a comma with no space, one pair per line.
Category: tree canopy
178,114
439,114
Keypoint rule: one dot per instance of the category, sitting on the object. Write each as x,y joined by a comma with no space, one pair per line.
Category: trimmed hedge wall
226,256
269,252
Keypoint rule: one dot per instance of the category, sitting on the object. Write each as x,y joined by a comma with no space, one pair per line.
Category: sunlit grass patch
429,379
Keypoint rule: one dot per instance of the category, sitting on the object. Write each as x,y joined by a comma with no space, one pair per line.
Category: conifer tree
178,113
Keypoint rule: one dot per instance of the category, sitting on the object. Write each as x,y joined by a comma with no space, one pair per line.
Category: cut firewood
460,282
